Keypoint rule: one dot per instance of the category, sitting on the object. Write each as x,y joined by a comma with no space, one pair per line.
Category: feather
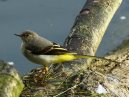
54,49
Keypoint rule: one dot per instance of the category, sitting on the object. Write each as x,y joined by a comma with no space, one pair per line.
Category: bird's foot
41,76
45,70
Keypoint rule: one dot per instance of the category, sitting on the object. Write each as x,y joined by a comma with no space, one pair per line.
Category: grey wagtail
42,51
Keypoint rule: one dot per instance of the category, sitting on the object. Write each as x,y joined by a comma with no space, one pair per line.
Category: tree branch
88,30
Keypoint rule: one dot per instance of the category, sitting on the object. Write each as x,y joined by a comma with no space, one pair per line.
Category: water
53,20
117,30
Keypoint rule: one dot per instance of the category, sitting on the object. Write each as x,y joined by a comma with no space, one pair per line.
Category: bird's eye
26,35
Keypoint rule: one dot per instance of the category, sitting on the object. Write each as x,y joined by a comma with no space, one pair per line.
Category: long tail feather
95,57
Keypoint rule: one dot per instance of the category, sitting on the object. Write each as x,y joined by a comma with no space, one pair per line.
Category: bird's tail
95,57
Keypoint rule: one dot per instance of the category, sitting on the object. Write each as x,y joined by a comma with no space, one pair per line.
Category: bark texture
89,28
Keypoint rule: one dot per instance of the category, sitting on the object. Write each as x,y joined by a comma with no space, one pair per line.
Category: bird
40,50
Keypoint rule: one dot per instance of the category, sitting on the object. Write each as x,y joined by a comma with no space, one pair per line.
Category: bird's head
27,36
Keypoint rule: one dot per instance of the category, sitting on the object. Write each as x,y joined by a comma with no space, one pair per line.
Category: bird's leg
41,75
45,70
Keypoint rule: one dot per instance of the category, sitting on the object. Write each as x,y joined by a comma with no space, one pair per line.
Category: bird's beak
18,35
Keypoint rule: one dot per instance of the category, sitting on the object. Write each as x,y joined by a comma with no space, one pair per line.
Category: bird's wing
55,49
